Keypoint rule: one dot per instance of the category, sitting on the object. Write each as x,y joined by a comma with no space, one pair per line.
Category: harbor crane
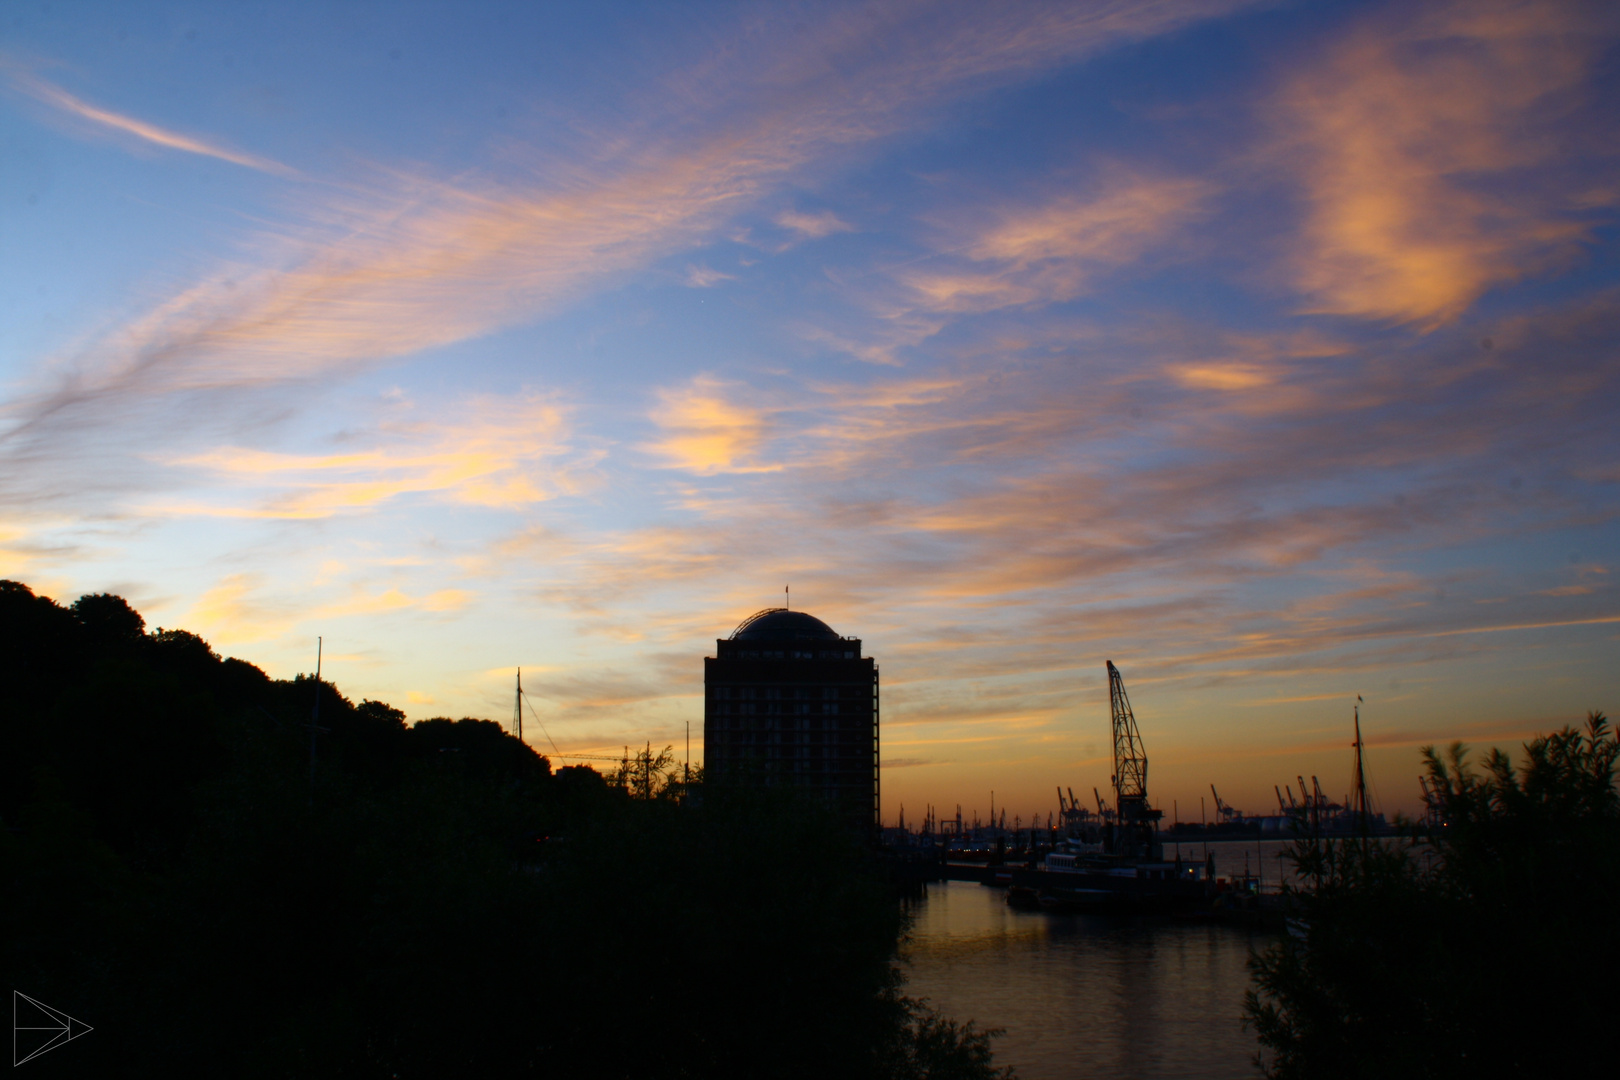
1135,822
1225,812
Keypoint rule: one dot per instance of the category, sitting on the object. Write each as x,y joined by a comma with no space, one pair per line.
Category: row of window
829,754
773,693
723,724
787,654
744,737
772,708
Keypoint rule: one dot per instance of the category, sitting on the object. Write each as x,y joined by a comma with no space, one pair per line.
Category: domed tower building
787,700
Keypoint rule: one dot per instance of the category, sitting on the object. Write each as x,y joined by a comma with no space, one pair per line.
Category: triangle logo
36,1028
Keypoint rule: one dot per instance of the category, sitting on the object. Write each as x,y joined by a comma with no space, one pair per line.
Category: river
1087,997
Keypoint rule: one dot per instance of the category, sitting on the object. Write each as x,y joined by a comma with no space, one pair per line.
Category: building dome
780,624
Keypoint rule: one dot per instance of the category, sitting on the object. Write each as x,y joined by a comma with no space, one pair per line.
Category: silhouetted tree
1477,949
433,901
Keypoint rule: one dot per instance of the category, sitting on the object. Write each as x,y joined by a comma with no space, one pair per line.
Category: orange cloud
58,98
1436,159
235,610
501,454
1053,251
376,271
1223,376
707,431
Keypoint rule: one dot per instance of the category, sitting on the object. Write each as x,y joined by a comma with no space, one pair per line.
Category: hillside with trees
421,900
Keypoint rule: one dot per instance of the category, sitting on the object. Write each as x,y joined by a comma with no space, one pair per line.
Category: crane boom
1130,759
1136,823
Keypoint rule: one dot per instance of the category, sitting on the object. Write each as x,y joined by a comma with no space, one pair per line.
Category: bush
1477,948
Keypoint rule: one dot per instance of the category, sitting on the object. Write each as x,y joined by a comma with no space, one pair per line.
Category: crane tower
1136,824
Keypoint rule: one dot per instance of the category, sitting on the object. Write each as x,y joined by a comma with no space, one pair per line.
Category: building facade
787,700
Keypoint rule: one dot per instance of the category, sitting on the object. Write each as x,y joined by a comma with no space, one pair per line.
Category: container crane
1225,812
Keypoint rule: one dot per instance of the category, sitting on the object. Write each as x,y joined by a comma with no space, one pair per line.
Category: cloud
1216,518
56,97
1444,150
1050,247
812,226
503,454
708,431
703,277
1052,251
387,266
237,610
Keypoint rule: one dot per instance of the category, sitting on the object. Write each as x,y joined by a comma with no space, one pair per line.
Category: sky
1268,350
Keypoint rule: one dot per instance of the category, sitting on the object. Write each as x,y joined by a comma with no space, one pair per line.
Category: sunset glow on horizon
1270,351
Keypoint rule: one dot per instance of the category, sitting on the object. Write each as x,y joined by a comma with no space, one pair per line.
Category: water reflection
1081,996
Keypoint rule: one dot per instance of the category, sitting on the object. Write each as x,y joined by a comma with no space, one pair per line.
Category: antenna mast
1362,818
517,704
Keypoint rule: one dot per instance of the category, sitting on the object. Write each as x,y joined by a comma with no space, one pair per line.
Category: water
1081,996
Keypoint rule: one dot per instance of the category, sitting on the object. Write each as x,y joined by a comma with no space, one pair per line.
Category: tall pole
517,705
315,719
1361,780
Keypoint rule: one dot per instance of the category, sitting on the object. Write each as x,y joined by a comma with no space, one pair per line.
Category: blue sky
1268,350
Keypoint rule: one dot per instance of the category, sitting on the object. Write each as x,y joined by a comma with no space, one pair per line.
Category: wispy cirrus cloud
402,263
108,121
241,609
812,226
1128,501
1444,150
1053,250
1061,242
705,277
503,454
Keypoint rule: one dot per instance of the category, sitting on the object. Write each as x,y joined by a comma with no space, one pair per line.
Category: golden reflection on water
1080,996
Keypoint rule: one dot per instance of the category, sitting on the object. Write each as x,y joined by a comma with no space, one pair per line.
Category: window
829,693
829,708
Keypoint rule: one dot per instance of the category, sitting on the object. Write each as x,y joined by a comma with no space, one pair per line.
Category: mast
517,705
1362,821
315,720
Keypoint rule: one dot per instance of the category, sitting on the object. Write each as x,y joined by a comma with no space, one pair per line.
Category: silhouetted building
789,701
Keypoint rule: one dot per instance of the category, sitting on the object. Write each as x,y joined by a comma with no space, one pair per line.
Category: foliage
420,901
646,775
1474,948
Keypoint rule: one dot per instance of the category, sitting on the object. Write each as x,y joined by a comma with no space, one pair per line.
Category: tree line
430,899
